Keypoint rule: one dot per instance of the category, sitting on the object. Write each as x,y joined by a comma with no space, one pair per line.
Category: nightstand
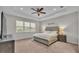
62,38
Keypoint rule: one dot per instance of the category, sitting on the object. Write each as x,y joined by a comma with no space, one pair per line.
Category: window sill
24,32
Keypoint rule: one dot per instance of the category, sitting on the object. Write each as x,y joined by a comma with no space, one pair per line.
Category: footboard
44,41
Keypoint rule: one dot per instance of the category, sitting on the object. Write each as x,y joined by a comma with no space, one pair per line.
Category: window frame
24,26
18,26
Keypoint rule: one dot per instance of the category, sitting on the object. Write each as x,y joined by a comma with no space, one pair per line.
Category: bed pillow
50,32
49,28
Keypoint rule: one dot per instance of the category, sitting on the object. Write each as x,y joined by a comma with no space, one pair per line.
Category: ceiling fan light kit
38,11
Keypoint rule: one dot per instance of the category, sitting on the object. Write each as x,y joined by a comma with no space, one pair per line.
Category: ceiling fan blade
34,12
43,12
38,10
33,9
41,9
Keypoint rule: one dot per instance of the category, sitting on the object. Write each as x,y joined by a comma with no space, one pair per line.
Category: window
22,26
19,26
26,26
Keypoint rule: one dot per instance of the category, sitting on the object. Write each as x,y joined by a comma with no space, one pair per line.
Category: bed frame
44,41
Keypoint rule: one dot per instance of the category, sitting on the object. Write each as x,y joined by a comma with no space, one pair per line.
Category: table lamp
61,31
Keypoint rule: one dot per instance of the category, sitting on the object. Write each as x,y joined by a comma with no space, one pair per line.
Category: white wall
11,27
70,23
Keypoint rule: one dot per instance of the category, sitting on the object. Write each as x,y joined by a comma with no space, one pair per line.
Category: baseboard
72,43
24,38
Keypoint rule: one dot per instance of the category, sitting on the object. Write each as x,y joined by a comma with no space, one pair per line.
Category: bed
48,37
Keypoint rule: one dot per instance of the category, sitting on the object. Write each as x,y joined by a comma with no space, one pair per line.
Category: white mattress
46,36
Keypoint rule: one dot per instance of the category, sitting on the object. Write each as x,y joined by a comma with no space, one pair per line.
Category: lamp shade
61,30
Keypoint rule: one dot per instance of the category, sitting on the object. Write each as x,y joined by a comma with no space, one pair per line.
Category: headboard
52,28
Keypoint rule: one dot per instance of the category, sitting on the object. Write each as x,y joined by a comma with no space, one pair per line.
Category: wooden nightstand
62,38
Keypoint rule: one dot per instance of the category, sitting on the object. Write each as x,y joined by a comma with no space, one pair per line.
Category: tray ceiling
26,11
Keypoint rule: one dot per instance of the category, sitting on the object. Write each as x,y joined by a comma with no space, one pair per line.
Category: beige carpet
30,46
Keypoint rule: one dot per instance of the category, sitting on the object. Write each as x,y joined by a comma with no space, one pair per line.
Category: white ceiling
26,11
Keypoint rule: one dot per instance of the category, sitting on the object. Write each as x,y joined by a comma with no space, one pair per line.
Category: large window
26,26
22,26
19,26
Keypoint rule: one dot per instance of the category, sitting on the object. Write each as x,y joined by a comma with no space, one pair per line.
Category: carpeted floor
30,46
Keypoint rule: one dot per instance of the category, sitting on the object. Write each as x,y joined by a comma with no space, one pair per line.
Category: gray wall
11,27
70,23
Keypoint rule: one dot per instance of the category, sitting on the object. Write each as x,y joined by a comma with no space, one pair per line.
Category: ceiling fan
61,6
38,11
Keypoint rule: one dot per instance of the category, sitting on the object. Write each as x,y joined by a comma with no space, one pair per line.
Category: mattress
46,37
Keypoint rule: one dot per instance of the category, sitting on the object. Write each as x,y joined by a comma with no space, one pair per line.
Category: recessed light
54,9
21,8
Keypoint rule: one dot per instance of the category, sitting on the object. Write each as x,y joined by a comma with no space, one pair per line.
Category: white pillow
51,32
